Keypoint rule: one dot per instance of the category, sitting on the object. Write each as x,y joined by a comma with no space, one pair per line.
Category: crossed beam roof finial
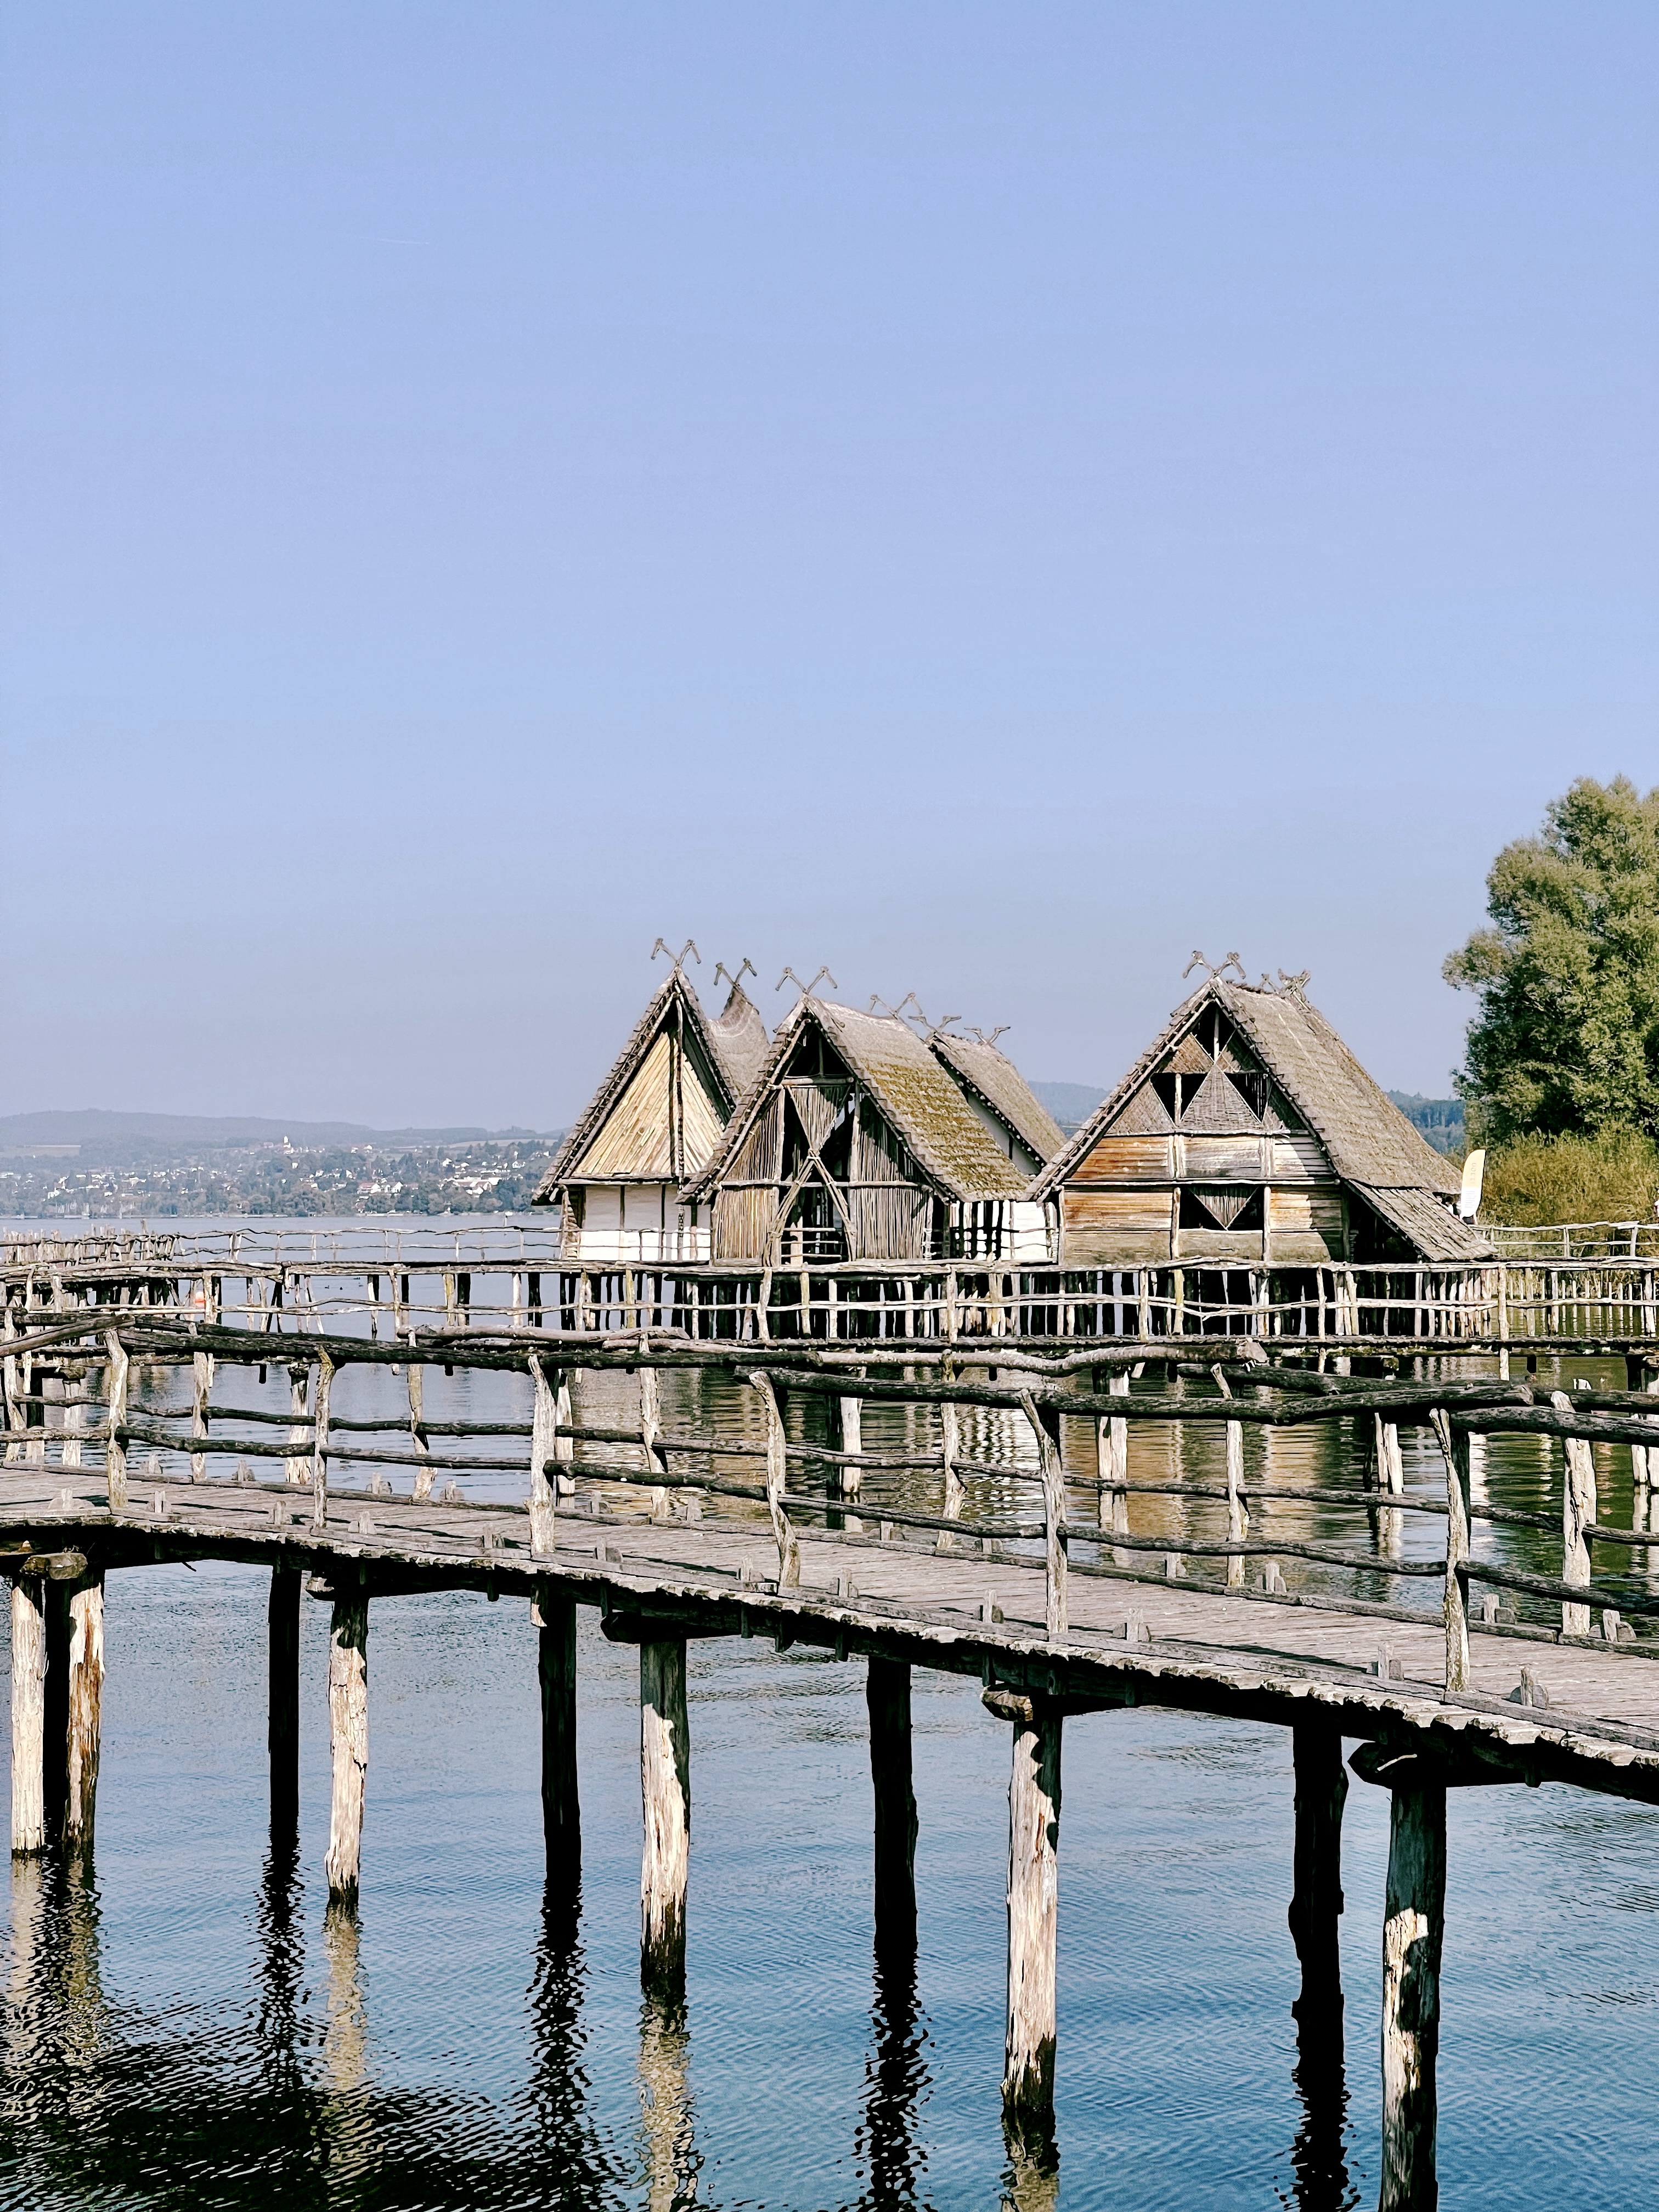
1001,1029
678,958
805,989
745,967
1211,968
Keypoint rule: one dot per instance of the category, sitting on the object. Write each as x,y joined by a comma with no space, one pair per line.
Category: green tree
1567,1036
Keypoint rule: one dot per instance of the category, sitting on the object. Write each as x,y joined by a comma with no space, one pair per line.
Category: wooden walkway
1129,1640
1055,1615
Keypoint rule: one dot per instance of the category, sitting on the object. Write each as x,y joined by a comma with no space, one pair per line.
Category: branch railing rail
1037,1495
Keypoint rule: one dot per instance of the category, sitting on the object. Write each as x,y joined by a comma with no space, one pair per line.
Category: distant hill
110,1133
1070,1103
1440,1120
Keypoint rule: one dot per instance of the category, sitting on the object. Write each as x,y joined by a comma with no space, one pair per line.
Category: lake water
186,2025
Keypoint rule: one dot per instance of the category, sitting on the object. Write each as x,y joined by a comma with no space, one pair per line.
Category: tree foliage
1567,1036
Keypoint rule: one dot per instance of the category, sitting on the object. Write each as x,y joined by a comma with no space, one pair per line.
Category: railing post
294,1469
544,1497
1455,1446
319,1444
1112,1455
1577,1513
776,1469
1045,1426
115,1456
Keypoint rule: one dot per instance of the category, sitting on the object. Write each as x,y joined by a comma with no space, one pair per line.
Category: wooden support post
1503,1324
86,1704
283,1697
348,1718
887,1693
54,1765
555,1619
1577,1513
1028,2075
1321,1790
1455,1448
115,1454
28,1714
666,1791
1413,1930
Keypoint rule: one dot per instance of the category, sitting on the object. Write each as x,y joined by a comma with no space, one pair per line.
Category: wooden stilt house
653,1125
862,1143
1247,1144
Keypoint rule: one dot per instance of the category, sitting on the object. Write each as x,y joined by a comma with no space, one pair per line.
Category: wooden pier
1051,1602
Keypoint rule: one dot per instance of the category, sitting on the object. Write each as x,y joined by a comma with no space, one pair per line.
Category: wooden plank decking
1284,1659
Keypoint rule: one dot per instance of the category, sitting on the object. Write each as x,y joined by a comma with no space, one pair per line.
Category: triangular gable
1315,1080
633,1126
1143,1115
1221,1108
921,1103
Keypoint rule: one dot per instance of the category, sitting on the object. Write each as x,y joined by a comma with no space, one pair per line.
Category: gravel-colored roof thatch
921,1101
998,1083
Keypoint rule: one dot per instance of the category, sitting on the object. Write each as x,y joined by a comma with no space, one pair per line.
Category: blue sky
989,498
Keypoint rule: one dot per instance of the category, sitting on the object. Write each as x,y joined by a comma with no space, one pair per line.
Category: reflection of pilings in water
54,2029
573,2168
896,2081
80,1968
282,1967
1030,2179
25,2079
667,2119
348,2120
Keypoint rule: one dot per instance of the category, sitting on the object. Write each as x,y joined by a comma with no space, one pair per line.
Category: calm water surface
186,2024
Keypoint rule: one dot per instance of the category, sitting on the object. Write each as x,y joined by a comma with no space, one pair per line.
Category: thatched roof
949,1144
740,1039
1369,1141
729,1050
993,1078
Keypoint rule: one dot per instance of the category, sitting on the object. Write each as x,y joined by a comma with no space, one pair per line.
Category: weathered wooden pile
1050,1597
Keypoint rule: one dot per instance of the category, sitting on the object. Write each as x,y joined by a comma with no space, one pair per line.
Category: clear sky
988,498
